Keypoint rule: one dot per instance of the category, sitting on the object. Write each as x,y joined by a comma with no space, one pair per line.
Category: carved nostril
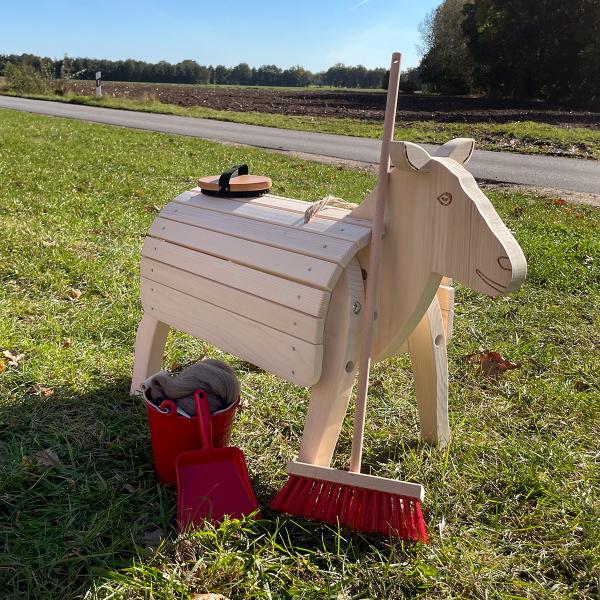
504,263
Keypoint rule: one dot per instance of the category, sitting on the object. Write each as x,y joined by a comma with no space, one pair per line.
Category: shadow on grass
78,491
79,498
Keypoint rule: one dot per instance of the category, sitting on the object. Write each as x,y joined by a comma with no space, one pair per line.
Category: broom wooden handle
373,271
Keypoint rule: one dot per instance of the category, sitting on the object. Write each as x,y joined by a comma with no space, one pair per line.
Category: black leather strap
226,176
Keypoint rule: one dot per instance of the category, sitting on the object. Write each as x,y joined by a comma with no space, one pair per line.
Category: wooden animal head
438,222
467,239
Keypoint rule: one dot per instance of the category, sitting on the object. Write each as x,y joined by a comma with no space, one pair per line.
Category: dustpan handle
203,414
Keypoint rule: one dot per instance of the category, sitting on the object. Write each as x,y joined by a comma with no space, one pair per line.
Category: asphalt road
543,171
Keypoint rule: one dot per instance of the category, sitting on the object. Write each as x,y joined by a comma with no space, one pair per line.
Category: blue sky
314,34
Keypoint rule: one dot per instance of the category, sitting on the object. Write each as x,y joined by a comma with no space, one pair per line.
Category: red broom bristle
362,509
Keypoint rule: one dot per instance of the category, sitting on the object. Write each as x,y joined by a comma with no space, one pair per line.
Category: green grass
512,504
520,136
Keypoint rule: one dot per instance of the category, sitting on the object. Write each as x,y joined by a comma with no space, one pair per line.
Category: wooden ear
408,156
460,149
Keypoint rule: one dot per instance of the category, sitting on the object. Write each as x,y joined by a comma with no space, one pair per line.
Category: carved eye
445,198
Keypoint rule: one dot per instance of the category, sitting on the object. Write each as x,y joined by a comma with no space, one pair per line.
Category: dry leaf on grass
47,458
377,383
48,243
2,366
129,487
151,208
74,293
66,343
38,389
492,363
208,596
574,212
559,202
13,359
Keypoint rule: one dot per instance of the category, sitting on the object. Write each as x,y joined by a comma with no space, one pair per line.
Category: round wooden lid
241,183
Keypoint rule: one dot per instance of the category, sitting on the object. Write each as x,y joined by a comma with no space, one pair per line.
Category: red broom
363,502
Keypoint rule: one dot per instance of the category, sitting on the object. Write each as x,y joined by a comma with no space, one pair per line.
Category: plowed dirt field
367,106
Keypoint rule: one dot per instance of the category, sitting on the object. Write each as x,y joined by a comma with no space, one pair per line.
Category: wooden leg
341,346
149,349
427,347
445,296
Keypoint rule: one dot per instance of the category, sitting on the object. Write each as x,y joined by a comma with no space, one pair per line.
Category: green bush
24,79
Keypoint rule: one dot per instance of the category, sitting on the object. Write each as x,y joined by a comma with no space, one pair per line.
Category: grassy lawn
520,136
512,505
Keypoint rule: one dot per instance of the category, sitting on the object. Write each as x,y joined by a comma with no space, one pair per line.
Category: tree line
534,49
545,49
189,71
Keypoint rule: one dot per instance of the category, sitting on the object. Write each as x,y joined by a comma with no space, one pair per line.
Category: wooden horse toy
250,276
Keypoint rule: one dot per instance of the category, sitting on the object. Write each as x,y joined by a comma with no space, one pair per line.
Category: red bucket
173,434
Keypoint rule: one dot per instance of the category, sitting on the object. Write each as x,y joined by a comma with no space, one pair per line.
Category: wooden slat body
293,239
254,307
289,357
294,206
280,212
289,265
297,296
249,276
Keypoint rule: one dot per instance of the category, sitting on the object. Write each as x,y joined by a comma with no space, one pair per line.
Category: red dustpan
212,482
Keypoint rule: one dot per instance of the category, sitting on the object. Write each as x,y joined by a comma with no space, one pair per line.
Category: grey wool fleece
215,377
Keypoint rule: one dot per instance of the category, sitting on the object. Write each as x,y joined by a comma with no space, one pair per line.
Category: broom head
362,502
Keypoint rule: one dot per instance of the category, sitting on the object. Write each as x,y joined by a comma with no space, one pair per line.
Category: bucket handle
168,406
204,423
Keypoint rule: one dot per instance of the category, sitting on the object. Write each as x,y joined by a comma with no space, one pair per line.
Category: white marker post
98,84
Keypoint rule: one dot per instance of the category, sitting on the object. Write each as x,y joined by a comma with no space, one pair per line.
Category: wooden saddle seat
250,276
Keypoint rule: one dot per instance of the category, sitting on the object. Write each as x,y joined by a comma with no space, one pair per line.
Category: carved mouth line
488,281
